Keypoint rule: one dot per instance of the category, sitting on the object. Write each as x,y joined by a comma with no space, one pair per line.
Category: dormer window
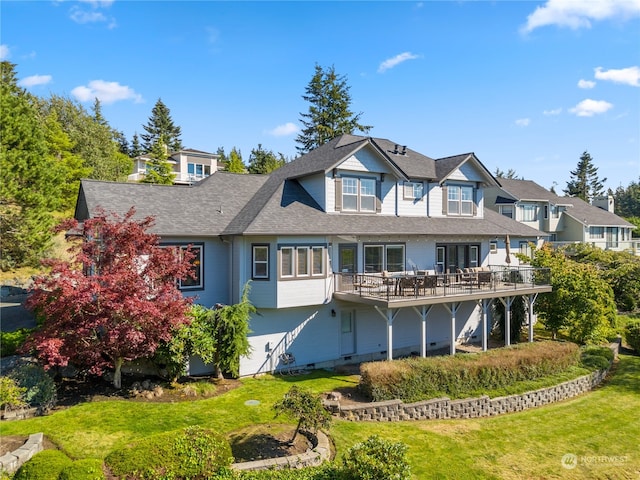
412,190
460,200
358,194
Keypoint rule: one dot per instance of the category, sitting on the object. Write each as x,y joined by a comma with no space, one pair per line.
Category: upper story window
460,200
260,262
358,194
412,190
302,261
529,213
506,210
198,170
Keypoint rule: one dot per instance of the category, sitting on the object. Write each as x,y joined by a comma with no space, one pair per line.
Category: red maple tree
114,301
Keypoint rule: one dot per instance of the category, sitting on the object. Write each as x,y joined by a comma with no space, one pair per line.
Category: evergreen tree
95,143
262,161
511,173
123,143
158,168
627,200
136,148
222,158
31,179
329,113
584,182
97,113
160,124
234,163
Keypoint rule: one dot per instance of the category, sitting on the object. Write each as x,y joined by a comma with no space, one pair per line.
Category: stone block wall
10,462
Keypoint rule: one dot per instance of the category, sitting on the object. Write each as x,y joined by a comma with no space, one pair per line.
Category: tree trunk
117,373
295,434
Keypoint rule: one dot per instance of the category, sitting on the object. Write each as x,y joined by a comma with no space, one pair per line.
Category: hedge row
415,379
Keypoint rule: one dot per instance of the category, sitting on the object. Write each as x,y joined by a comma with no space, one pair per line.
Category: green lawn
601,428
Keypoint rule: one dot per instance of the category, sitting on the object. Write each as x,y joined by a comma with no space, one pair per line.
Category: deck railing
398,286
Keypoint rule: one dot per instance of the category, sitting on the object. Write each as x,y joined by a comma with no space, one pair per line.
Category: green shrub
595,362
326,471
632,334
417,379
192,452
604,352
85,469
11,341
376,459
46,465
11,395
40,387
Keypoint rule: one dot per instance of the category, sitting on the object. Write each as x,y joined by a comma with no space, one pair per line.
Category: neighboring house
564,219
359,250
188,165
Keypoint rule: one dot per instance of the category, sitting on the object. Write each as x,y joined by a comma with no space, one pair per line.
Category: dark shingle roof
578,209
276,204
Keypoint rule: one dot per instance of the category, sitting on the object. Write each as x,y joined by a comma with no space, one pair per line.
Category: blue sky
525,85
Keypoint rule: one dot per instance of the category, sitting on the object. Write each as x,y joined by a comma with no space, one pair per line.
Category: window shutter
445,200
378,196
338,185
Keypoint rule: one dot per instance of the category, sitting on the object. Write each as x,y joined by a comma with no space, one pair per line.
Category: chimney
605,203
404,150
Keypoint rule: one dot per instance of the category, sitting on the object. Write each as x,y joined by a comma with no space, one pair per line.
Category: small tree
115,301
158,168
234,163
307,408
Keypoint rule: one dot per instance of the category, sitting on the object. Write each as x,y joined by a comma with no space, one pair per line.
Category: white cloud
35,80
579,13
288,128
586,84
4,52
555,111
93,14
106,92
523,122
589,107
628,76
395,61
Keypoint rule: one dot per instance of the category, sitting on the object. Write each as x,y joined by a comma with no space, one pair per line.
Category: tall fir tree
263,161
234,163
31,179
329,114
161,124
584,182
97,113
627,200
222,157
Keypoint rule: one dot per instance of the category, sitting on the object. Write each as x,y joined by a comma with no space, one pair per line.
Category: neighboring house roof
583,212
276,204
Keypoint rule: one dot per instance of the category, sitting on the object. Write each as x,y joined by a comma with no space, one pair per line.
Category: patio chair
288,362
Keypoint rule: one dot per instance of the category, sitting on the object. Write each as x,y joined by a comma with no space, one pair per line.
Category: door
347,332
347,254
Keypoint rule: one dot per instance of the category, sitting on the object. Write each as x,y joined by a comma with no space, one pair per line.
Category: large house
361,249
564,219
188,166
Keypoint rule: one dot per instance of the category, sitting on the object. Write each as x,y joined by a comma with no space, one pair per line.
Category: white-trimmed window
260,262
525,249
507,210
412,190
459,200
493,247
195,281
529,213
358,194
301,261
198,171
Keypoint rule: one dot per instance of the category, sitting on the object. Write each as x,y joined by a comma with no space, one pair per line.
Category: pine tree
584,182
31,179
97,113
627,200
329,115
262,161
159,125
222,158
136,148
158,168
234,163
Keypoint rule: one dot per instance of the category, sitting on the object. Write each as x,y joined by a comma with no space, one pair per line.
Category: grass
602,428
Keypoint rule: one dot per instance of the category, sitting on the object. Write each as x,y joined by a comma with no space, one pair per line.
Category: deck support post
453,308
423,317
507,302
531,300
389,316
484,305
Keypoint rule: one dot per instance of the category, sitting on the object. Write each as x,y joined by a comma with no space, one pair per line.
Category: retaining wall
10,462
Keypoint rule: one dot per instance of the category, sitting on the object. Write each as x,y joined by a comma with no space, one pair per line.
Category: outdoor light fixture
333,312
